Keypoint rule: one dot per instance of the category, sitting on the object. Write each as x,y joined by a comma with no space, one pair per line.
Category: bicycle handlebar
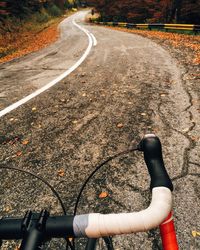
152,149
36,228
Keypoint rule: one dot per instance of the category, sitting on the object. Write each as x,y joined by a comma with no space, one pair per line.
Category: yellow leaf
34,109
195,234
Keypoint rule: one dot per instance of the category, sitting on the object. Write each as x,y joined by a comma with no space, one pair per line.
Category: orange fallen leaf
61,172
19,153
13,141
103,195
195,138
25,142
120,125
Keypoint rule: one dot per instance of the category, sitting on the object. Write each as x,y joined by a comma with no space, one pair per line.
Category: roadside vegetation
27,26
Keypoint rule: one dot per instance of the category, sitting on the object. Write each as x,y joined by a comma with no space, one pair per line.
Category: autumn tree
188,11
60,3
184,11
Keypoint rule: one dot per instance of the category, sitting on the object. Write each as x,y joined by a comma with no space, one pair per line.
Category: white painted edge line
55,81
94,39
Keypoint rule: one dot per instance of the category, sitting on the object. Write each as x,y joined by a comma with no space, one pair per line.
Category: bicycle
34,229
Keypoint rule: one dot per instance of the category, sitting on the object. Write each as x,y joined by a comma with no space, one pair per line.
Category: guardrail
167,27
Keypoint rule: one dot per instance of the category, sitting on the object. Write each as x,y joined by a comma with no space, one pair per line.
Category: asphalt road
126,87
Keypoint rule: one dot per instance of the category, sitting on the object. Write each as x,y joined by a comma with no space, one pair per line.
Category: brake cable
95,170
52,189
98,167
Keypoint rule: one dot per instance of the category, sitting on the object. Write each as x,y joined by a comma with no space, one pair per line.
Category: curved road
126,87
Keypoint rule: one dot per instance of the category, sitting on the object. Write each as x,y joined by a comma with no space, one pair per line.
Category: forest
24,8
136,11
149,11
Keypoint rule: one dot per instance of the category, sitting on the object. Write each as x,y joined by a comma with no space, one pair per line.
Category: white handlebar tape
96,225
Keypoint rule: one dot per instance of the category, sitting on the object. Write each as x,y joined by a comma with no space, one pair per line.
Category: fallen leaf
103,195
61,172
84,94
34,109
13,141
11,119
162,94
6,209
19,153
143,114
25,142
195,138
195,234
120,125
75,122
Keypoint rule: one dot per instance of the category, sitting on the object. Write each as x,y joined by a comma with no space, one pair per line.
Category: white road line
55,81
94,39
